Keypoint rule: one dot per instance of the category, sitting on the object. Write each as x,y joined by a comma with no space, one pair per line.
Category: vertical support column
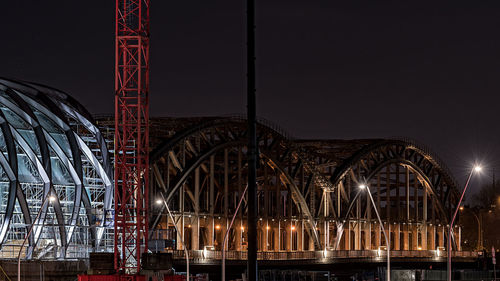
416,235
407,178
459,238
441,236
211,197
368,235
226,196
424,236
406,238
378,236
195,228
397,237
347,235
432,233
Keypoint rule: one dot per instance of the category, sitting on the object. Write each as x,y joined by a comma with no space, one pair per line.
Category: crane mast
131,133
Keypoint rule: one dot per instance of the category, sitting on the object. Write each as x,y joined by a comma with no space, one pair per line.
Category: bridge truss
308,195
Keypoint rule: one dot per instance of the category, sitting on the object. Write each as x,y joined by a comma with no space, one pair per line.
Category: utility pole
252,145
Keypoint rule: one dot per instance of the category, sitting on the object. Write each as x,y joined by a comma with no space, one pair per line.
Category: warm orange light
189,225
268,227
242,228
217,227
419,248
293,228
461,208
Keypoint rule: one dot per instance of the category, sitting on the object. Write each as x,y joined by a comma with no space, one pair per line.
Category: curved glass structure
55,174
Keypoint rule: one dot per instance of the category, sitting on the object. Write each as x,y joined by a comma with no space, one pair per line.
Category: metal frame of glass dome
50,145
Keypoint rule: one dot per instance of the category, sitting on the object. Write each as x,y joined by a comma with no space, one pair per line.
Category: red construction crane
131,133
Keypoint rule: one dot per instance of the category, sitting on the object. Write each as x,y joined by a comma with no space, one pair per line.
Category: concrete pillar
195,233
277,240
432,236
406,237
368,235
424,237
238,234
416,236
357,236
378,236
441,236
347,236
397,237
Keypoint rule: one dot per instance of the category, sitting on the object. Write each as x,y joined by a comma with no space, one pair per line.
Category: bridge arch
307,186
207,161
413,192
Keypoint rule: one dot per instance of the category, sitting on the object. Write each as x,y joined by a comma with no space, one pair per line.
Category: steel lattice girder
131,133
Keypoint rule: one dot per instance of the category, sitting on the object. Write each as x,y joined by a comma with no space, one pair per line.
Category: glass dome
55,175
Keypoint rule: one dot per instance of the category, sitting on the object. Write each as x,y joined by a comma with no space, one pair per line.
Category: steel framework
131,133
49,143
307,198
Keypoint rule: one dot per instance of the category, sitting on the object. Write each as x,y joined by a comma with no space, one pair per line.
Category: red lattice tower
131,133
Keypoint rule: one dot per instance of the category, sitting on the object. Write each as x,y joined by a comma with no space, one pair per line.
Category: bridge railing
314,255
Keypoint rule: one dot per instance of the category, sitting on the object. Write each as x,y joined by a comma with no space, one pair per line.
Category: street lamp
51,199
476,169
387,241
479,227
160,201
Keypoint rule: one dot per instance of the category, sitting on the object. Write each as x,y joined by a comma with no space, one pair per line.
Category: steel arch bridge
308,195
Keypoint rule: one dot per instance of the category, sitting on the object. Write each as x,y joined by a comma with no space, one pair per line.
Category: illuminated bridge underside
49,145
308,195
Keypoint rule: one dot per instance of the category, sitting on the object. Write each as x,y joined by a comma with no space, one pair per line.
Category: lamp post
227,234
387,241
163,201
479,227
450,229
51,198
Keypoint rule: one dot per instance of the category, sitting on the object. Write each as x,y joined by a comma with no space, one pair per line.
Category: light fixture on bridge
268,227
242,228
363,186
292,227
159,201
52,198
217,227
478,168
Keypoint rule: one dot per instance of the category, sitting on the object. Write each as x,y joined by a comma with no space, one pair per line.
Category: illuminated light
363,186
189,225
159,201
461,208
217,227
242,228
268,227
419,248
478,168
52,198
292,227
260,219
325,253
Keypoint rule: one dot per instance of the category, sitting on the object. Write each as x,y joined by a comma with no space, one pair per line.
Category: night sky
326,69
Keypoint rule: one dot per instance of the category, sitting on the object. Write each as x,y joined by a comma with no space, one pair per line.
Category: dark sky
426,70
